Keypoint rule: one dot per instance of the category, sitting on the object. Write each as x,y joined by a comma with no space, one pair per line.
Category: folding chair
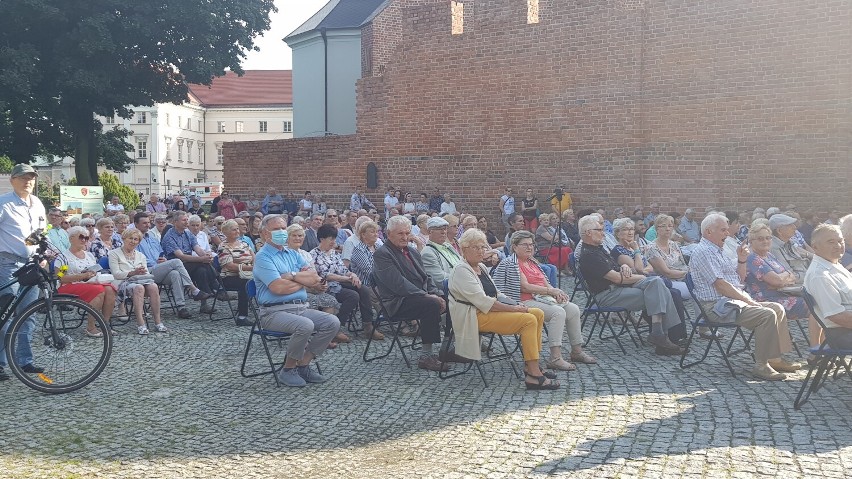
395,325
265,336
220,289
602,316
578,285
827,359
701,320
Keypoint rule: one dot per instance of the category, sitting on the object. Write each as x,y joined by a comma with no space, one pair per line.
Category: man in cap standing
21,214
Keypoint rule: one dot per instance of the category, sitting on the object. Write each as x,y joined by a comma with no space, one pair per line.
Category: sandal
560,364
709,335
545,372
583,358
542,383
331,345
342,338
96,334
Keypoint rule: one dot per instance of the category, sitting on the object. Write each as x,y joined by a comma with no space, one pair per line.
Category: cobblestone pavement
175,405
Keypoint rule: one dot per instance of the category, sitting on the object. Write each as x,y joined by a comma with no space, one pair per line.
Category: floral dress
756,268
99,249
318,300
329,263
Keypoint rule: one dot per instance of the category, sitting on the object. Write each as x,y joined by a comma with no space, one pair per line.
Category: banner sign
77,200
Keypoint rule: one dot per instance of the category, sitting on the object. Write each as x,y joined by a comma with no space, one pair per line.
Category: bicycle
54,327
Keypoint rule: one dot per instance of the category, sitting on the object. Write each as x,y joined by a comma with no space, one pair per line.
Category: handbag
543,298
141,279
248,275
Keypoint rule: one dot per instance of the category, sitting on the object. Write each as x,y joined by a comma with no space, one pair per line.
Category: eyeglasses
761,238
331,216
525,245
84,238
596,229
480,248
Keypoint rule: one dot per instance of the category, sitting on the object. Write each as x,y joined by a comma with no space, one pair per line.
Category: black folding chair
603,318
578,285
828,359
220,291
395,327
702,320
266,336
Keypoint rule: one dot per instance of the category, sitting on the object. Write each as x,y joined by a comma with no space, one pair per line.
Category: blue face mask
279,237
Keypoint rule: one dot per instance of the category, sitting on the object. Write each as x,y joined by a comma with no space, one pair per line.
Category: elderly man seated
792,256
168,272
281,276
718,286
180,243
830,284
407,291
439,257
618,286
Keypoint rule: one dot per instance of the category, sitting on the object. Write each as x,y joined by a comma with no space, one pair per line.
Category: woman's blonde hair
131,232
472,236
229,225
757,227
660,219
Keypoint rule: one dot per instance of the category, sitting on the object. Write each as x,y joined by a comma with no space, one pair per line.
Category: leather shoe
664,346
183,313
784,366
32,369
450,356
3,375
201,296
431,363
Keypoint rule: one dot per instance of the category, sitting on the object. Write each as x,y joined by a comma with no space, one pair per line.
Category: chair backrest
104,262
251,289
809,300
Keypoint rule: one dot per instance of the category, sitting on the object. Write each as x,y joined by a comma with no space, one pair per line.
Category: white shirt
203,241
19,219
448,208
831,286
114,209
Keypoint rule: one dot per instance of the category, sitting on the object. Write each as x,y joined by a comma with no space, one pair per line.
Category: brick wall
690,104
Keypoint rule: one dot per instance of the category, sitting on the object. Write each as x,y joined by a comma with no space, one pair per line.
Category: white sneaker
161,328
143,330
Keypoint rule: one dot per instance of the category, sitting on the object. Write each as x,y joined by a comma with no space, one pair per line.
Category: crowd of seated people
415,243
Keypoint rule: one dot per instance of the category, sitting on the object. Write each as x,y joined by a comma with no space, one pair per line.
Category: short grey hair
363,226
87,222
519,236
104,221
822,229
264,223
229,225
472,236
178,214
846,228
194,219
588,222
398,222
76,231
298,220
711,220
622,224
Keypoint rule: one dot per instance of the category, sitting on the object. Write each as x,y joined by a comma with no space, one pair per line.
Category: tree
113,187
6,165
65,61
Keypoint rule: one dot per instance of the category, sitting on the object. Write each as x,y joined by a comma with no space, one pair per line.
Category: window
189,151
198,123
189,123
238,127
220,127
168,120
200,152
141,117
457,11
180,150
168,148
263,127
110,120
141,149
220,155
288,127
180,121
532,11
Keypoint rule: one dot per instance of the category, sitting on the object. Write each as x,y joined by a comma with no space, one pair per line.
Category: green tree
6,165
113,187
65,61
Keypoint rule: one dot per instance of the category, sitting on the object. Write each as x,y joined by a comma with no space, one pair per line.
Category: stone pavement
175,405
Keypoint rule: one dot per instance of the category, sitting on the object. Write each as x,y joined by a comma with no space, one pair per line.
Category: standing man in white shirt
114,207
507,206
21,214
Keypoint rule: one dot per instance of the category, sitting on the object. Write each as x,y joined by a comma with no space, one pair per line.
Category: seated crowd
447,275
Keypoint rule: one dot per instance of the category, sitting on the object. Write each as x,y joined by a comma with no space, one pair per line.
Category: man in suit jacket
406,289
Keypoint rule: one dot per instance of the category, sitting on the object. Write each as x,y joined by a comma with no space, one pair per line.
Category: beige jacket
465,286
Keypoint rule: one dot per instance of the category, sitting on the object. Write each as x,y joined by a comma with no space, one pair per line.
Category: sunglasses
84,238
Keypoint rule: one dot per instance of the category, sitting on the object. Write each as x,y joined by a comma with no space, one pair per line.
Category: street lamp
165,187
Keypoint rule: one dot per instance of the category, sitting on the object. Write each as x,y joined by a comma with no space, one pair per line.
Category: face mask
279,237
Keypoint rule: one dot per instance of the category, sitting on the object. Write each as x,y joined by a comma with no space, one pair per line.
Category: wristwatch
292,276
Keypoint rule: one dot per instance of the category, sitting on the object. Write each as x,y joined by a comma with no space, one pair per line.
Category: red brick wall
690,104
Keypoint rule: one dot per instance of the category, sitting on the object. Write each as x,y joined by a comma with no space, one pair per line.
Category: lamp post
165,185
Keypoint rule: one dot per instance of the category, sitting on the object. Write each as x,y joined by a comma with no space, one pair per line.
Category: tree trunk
85,151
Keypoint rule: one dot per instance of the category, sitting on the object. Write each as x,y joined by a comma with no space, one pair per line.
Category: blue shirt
249,242
150,247
173,240
18,219
278,208
269,264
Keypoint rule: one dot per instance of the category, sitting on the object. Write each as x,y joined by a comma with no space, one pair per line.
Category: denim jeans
24,352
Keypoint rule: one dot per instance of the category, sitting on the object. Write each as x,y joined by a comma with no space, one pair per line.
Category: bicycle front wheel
56,338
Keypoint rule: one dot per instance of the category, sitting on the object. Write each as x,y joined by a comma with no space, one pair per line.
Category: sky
274,54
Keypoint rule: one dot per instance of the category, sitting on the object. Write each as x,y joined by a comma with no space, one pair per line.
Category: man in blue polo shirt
179,243
281,276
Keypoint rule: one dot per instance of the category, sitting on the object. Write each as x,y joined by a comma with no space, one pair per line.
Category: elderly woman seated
106,241
627,251
477,306
554,245
768,280
235,257
80,267
521,278
793,257
665,257
133,280
361,263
